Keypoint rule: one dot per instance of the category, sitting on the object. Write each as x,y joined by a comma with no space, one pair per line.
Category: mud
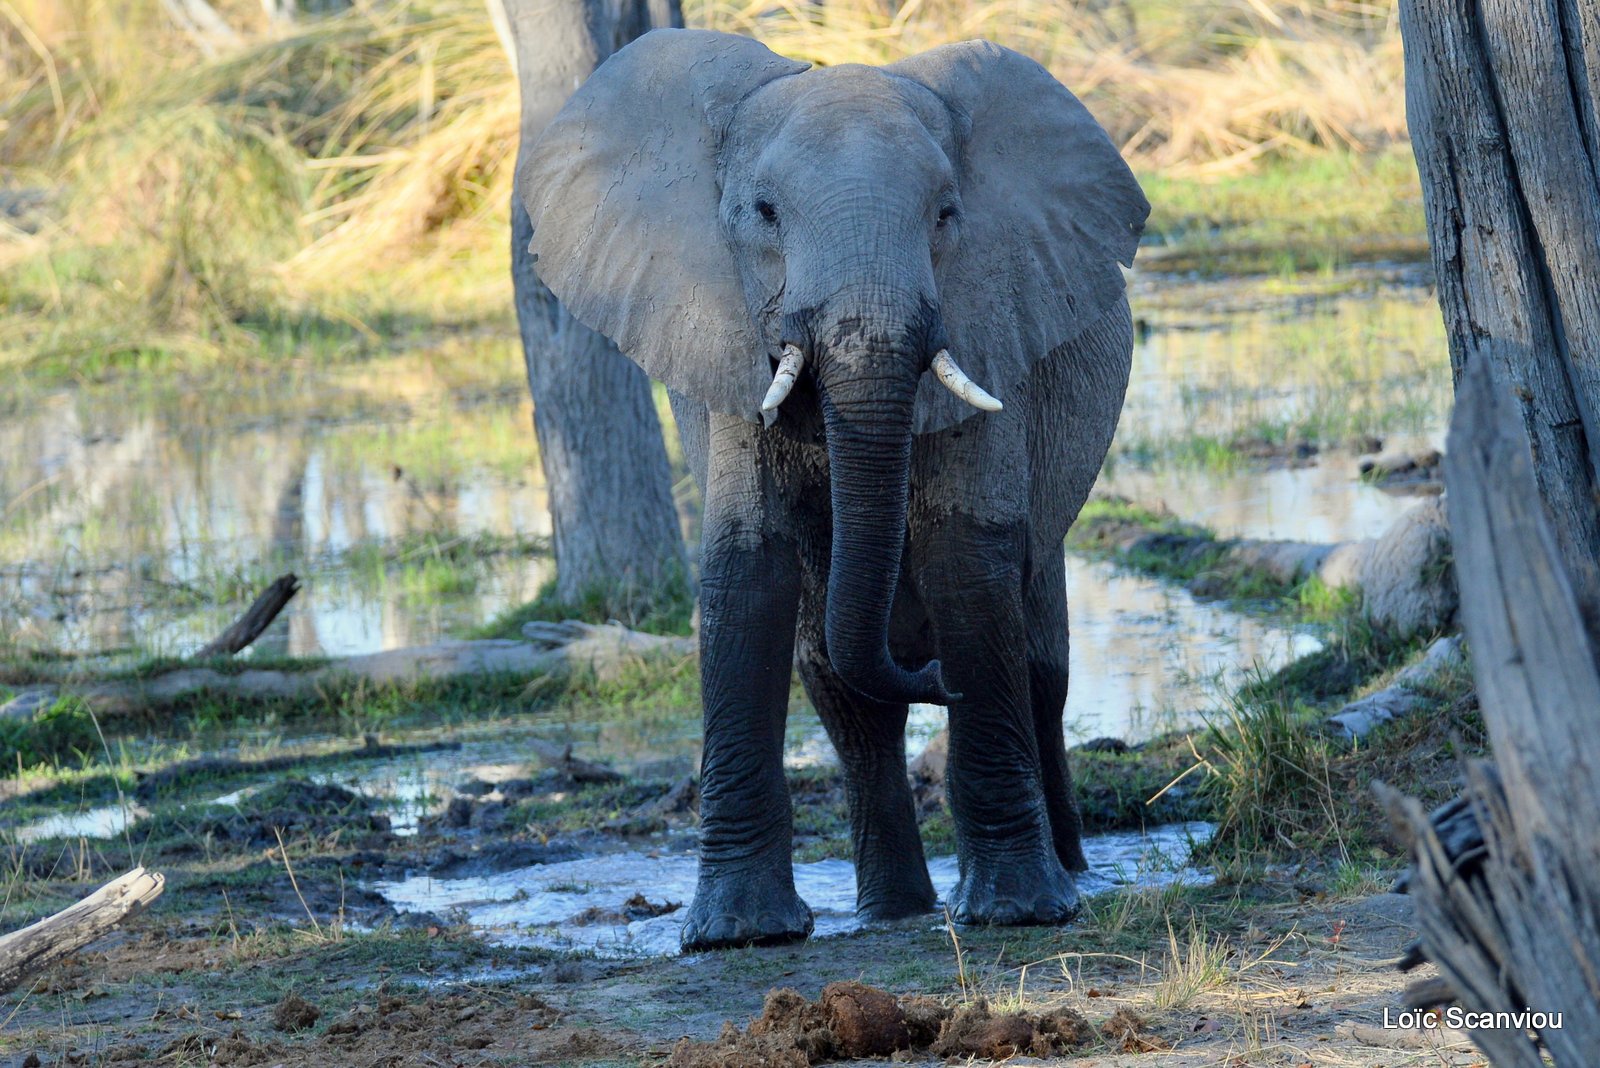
299,808
295,1013
852,1020
636,908
390,1032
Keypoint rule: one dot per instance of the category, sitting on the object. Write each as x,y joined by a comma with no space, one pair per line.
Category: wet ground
598,903
524,936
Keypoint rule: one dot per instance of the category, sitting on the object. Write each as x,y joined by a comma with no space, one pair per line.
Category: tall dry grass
1184,86
360,162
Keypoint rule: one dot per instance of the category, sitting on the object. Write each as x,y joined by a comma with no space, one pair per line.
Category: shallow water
538,906
101,821
406,492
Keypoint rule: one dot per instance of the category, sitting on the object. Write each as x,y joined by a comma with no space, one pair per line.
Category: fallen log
1401,697
569,647
36,947
1403,576
560,758
257,618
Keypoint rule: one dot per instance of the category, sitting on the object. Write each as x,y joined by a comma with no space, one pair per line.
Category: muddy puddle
406,491
631,904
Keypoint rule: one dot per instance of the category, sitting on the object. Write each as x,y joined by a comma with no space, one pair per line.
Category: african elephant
832,270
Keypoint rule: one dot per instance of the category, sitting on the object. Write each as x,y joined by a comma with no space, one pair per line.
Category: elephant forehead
832,105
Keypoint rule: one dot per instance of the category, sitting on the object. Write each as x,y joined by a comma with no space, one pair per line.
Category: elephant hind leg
1045,608
891,871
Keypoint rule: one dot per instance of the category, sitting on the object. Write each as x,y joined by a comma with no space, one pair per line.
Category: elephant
890,309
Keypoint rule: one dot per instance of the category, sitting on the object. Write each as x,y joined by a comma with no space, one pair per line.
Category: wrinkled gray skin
703,201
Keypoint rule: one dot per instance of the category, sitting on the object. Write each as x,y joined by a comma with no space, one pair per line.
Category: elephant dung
866,1021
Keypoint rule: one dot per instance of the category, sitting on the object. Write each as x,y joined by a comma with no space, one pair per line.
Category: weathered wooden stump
1515,925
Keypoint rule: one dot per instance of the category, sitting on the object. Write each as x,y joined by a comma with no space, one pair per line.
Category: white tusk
1127,276
789,368
957,382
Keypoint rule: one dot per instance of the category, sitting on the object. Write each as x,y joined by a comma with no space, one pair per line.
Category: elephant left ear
1049,210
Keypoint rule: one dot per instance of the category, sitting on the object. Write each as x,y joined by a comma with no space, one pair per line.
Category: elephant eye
945,215
768,212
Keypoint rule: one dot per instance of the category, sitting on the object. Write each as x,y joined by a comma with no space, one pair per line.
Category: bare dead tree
257,618
605,464
1501,99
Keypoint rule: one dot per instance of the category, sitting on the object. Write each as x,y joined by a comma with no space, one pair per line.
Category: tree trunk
1511,922
600,443
1502,105
1501,100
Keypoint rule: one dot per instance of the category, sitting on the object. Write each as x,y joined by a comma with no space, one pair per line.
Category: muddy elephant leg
870,737
749,592
1045,615
970,575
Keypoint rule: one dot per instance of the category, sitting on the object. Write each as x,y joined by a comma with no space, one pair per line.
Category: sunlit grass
1222,370
347,180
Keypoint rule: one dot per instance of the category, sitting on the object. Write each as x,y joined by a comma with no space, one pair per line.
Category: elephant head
899,239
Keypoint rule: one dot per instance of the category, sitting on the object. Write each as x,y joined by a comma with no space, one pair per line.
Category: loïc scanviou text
1468,1020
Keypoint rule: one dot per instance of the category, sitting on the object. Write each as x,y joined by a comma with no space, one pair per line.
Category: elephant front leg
970,575
749,592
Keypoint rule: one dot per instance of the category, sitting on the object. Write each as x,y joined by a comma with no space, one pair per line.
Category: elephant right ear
622,190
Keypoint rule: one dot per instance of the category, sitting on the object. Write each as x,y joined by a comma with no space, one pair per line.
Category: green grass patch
666,607
1162,546
1277,785
60,731
1304,213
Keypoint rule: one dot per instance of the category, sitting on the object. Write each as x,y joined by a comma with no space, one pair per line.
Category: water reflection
1364,355
126,523
1147,657
1220,361
1324,503
407,493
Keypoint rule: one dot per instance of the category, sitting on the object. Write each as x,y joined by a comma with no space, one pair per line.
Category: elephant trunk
869,456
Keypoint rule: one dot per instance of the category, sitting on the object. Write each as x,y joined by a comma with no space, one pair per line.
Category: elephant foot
745,910
894,892
1015,893
898,906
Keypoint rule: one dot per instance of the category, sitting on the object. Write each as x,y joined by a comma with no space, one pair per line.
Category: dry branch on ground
36,947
